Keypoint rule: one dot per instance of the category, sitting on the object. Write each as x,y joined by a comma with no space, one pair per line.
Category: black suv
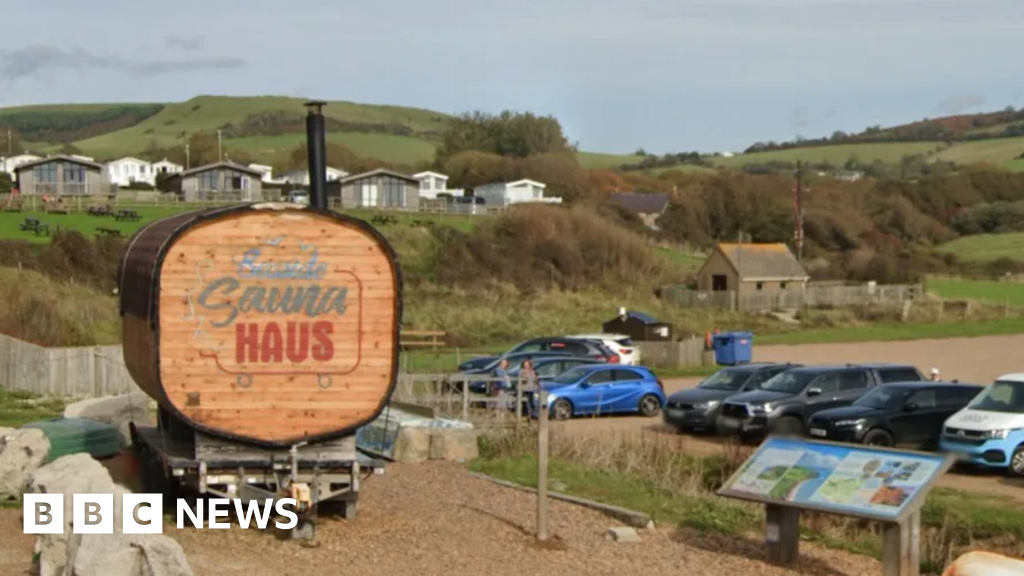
900,414
784,403
697,408
593,349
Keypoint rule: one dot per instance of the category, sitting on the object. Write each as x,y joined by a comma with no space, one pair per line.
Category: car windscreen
885,397
791,382
627,342
728,379
1000,397
570,376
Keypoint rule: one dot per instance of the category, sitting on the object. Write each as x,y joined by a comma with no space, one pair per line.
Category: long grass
654,475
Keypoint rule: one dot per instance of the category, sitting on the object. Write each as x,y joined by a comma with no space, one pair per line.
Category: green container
74,435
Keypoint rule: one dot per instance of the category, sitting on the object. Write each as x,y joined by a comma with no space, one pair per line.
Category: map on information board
863,481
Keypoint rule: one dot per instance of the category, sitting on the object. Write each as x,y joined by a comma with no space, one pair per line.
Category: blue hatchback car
603,389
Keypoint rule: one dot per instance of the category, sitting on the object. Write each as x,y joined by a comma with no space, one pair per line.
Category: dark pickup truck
784,403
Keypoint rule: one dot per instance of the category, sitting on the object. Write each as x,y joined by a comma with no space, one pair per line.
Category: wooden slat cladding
271,326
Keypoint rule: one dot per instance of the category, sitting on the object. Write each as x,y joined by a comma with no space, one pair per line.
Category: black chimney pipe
316,151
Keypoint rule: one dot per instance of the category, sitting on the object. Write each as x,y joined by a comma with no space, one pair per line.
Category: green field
837,154
894,332
598,161
987,247
387,147
1009,293
1000,151
177,121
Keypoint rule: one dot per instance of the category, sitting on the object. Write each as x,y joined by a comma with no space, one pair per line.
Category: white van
990,430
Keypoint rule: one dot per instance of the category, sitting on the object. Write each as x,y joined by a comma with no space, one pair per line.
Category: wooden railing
420,339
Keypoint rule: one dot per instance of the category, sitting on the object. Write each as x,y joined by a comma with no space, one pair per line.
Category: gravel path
434,518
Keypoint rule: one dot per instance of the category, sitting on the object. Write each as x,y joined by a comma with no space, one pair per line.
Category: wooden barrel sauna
270,323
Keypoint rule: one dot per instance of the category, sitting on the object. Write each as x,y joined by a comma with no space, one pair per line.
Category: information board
852,480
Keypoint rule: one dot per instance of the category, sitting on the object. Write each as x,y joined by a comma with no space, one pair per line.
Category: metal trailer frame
173,456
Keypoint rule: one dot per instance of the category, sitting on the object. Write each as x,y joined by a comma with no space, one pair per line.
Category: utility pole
798,210
10,143
220,149
188,157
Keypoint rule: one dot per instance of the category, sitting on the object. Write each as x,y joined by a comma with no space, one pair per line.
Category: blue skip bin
732,348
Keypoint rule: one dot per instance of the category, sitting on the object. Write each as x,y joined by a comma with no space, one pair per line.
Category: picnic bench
34,225
112,232
99,211
384,219
127,216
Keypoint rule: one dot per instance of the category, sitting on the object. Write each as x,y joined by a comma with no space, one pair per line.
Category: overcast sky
667,75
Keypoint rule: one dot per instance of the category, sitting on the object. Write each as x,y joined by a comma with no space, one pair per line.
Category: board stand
901,541
901,532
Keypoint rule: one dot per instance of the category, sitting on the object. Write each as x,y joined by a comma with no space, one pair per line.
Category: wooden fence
811,296
78,372
152,199
686,353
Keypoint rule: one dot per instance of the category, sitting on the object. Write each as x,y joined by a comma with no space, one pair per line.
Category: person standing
527,383
934,375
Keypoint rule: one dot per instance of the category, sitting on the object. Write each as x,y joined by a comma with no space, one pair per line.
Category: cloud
818,460
958,104
193,44
799,117
34,61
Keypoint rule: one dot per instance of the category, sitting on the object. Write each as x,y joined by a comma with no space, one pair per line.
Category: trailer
176,460
268,334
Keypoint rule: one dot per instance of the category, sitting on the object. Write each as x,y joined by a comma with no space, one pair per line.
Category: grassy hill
987,247
107,131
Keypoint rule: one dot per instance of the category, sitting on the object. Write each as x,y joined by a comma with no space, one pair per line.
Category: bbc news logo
144,513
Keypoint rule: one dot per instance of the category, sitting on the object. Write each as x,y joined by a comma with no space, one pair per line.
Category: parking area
978,360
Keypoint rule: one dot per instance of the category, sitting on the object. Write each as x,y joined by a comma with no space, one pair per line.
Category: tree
514,134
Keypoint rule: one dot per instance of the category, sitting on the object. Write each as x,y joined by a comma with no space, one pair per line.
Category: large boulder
114,410
979,563
412,444
22,451
129,555
68,475
116,554
454,444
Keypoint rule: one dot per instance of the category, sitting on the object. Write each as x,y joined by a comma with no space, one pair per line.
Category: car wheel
790,426
1017,462
879,438
562,409
650,405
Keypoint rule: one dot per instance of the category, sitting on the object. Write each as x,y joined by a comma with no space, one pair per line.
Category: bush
536,247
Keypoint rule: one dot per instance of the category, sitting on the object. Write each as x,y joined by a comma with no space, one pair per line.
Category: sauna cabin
268,323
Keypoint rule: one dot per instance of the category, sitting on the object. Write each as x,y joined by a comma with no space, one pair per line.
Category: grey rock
22,451
623,534
114,410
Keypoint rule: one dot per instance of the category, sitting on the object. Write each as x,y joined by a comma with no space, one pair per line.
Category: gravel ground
434,518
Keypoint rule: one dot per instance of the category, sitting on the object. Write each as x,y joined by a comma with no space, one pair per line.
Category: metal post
542,465
901,547
316,151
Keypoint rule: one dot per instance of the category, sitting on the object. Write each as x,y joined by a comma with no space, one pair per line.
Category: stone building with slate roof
751,268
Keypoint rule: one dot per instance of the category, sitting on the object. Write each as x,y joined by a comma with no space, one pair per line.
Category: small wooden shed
638,326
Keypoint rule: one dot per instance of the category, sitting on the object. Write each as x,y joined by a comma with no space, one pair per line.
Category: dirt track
979,360
434,519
